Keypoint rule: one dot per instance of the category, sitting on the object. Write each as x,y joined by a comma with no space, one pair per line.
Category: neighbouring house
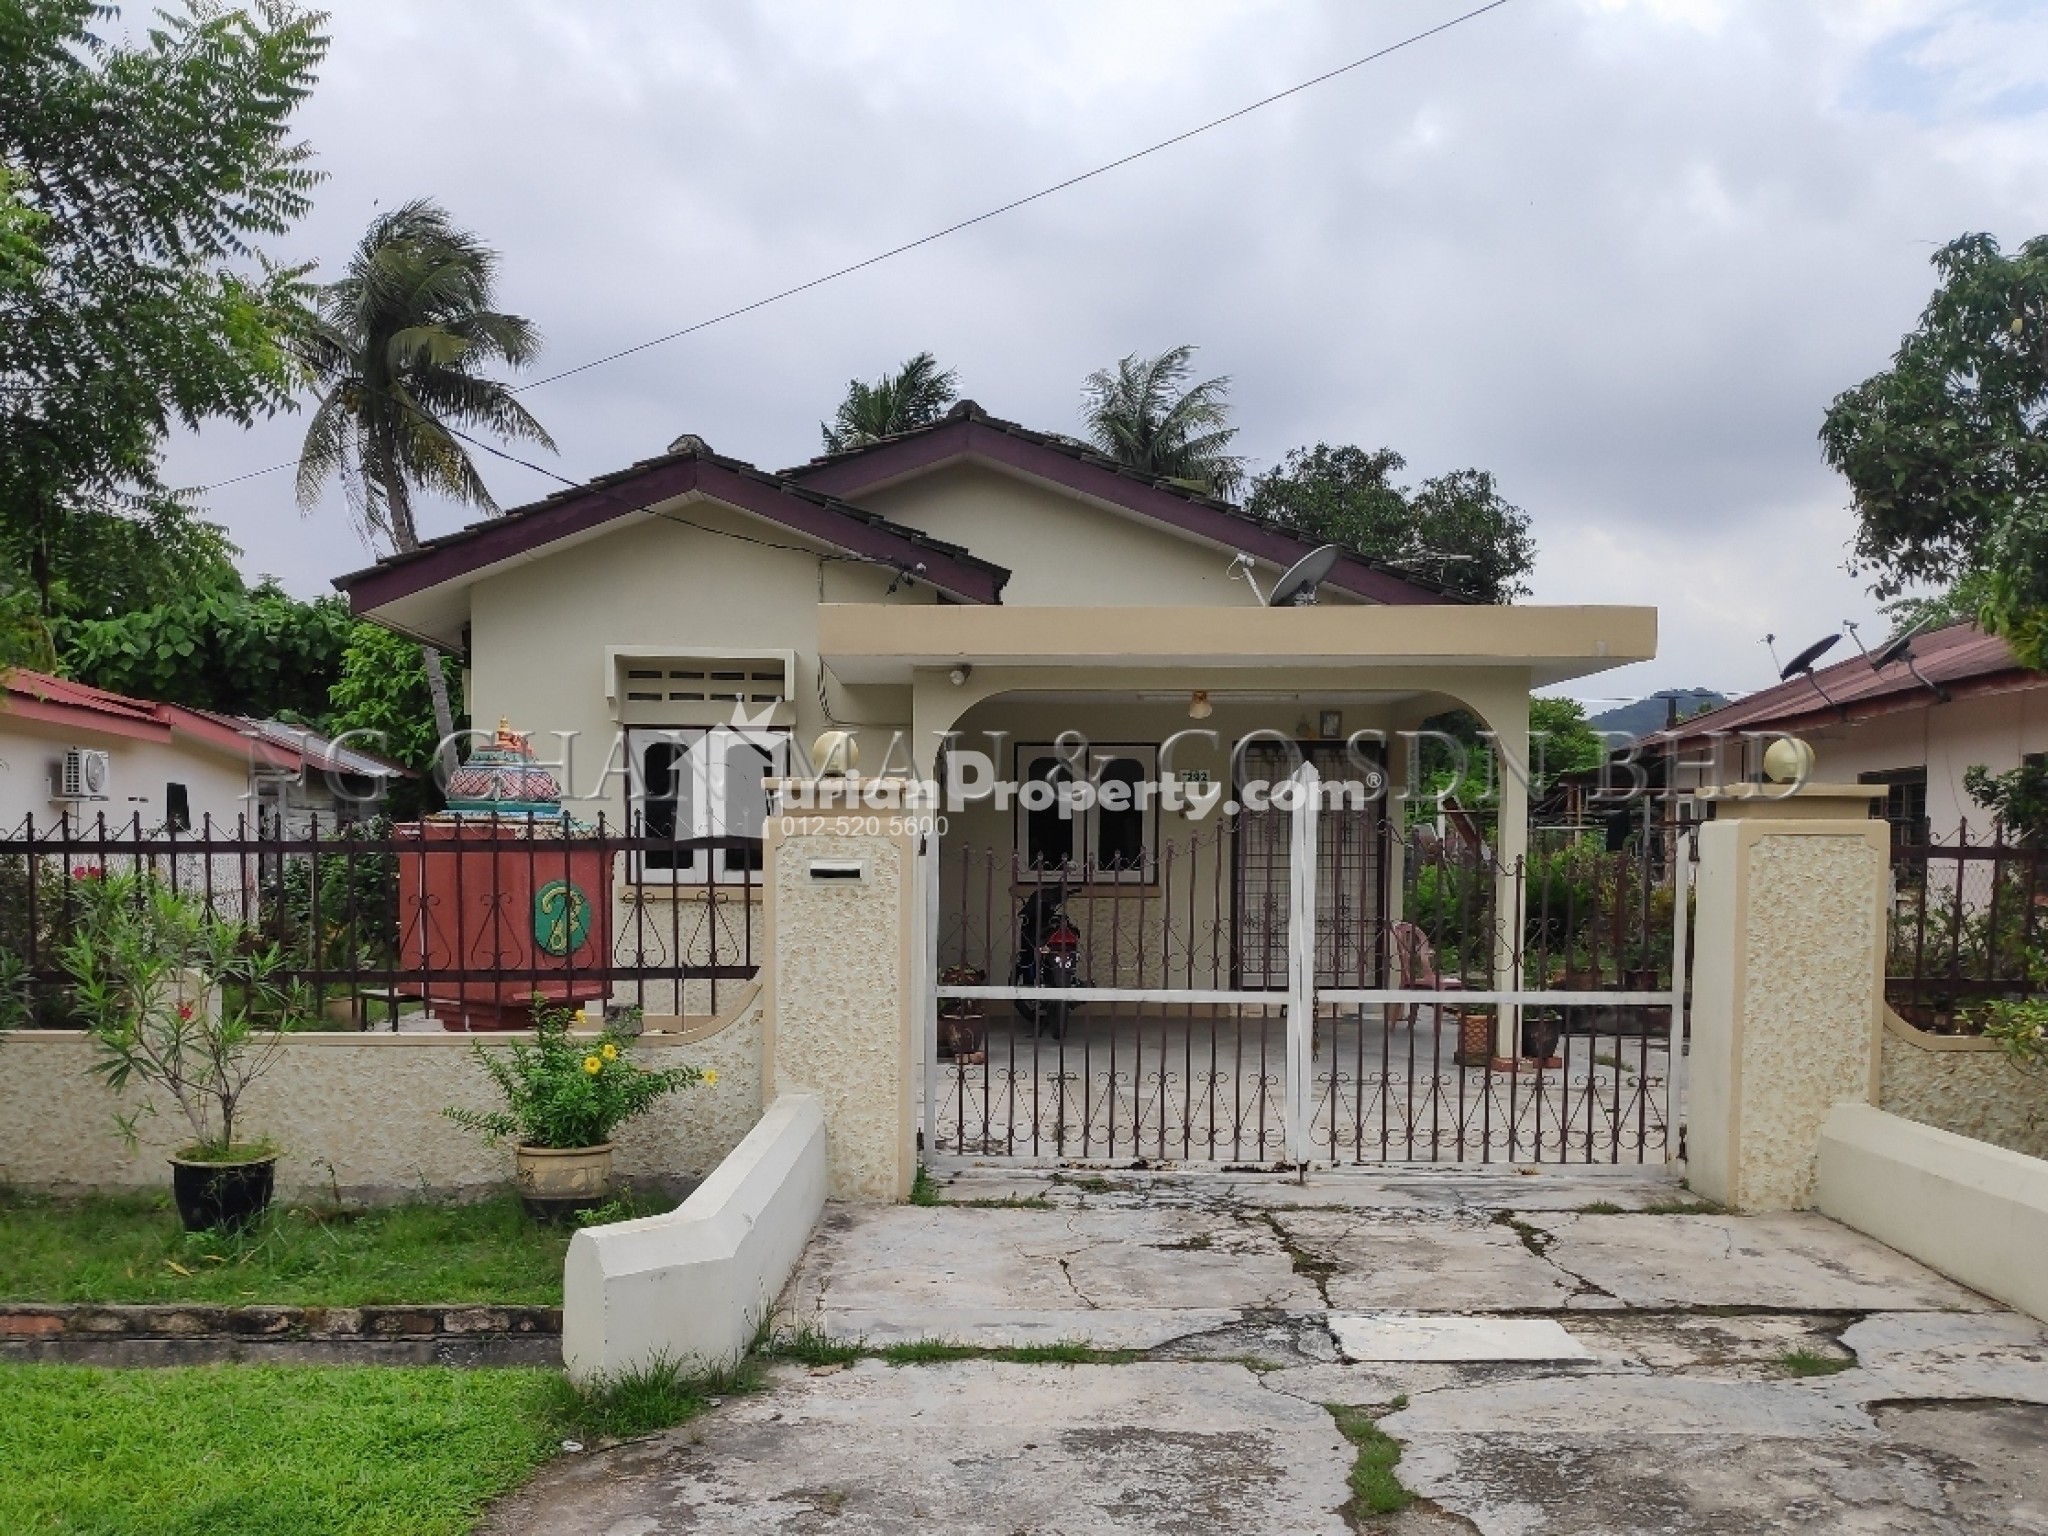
1913,726
969,586
71,754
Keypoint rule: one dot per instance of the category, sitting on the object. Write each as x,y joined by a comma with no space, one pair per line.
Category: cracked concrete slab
1128,1279
1739,1347
1447,1338
1929,1470
1682,1416
1794,1262
1947,1355
1631,1404
1441,1261
973,1449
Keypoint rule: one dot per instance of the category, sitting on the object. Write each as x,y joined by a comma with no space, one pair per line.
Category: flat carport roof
865,643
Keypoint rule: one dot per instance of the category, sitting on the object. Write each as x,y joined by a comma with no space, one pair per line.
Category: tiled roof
650,481
1227,521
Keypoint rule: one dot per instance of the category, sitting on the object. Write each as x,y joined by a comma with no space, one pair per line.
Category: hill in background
1647,715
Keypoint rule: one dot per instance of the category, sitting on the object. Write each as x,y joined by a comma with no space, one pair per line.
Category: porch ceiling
871,643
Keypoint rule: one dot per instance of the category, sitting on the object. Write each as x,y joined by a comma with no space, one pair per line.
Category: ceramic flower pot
555,1183
227,1196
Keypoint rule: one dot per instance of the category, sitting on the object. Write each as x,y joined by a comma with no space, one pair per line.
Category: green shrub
178,998
561,1092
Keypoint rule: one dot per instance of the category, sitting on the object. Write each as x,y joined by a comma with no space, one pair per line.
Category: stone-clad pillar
1788,985
839,982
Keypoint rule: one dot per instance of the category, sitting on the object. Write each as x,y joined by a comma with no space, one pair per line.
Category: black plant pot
1540,1037
224,1196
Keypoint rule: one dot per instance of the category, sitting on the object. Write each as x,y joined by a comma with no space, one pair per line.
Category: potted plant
184,1001
564,1097
962,1032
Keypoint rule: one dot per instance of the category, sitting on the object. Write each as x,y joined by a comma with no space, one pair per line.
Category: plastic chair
1415,964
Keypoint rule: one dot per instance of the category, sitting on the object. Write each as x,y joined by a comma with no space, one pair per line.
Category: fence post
1301,958
841,891
1788,985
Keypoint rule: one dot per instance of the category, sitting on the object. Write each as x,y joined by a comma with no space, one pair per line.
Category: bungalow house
70,751
972,586
1914,725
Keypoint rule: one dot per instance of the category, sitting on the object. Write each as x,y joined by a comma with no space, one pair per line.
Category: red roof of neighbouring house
1960,659
80,706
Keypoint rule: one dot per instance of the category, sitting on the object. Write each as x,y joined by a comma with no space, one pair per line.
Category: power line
1016,203
968,223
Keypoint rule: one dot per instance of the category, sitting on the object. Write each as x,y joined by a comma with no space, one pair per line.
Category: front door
1350,864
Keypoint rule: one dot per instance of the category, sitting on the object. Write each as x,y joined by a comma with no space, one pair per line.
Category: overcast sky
1620,252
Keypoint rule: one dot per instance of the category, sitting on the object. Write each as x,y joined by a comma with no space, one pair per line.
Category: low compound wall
691,1286
1963,1084
1974,1212
358,1116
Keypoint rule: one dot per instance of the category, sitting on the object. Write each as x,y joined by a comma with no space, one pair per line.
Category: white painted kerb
694,1284
1975,1212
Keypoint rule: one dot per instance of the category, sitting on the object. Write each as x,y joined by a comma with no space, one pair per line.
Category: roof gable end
969,432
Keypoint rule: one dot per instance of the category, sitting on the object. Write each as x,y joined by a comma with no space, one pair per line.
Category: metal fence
1969,926
1535,1024
386,926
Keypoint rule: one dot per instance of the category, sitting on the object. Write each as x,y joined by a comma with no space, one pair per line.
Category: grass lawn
130,1248
261,1451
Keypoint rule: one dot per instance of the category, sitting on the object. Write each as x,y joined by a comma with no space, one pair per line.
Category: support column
1788,985
842,892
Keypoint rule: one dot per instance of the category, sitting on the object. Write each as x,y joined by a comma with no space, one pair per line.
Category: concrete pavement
1563,1350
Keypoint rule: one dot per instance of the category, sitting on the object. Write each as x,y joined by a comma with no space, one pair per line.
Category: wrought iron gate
1399,996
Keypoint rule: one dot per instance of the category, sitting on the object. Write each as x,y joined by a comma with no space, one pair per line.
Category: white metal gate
1165,1043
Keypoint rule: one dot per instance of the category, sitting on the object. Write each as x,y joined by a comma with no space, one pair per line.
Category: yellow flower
592,1065
711,1078
610,1051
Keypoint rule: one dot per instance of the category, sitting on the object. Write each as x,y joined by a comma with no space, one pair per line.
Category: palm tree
914,396
1146,416
394,352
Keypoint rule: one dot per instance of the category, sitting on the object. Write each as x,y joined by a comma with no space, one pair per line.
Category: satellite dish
1296,587
1898,648
1891,651
1804,661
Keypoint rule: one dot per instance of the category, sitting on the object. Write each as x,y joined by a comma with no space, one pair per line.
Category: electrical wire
962,224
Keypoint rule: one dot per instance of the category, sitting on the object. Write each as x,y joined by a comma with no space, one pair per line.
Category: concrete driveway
1555,1351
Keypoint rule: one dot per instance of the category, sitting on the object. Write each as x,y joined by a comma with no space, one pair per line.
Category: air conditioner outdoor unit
85,774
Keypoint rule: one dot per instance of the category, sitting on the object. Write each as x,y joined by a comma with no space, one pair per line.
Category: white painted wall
693,1285
540,631
1948,739
32,756
1062,551
1974,1212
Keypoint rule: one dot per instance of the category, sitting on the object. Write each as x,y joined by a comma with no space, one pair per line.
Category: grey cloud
1622,254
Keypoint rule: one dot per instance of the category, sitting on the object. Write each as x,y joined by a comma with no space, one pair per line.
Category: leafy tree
1457,527
397,349
139,173
382,693
914,396
1145,414
105,563
1946,451
1561,741
2017,797
241,652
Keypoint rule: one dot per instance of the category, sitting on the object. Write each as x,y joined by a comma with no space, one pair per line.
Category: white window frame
1089,822
710,815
